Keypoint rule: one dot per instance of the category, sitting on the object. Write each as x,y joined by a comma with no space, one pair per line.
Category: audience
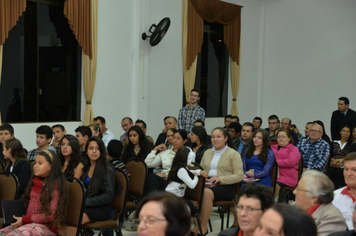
285,220
259,158
287,156
114,151
344,198
58,132
342,116
95,129
199,142
340,148
83,134
273,126
307,128
106,134
257,122
137,147
170,122
314,195
143,126
227,121
223,166
126,124
286,123
235,131
252,200
246,136
17,163
6,132
70,156
163,160
43,139
314,150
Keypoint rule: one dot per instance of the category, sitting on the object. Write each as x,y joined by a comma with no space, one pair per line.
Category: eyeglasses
148,221
248,209
314,131
282,136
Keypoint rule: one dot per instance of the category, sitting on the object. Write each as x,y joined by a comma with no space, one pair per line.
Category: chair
274,176
119,206
8,189
225,205
138,174
75,204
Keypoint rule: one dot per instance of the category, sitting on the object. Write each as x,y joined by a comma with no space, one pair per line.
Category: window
212,71
41,71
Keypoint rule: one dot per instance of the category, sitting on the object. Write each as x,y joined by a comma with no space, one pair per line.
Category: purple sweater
287,158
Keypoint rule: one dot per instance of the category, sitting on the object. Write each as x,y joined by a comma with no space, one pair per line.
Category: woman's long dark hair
201,133
349,140
263,156
54,180
144,144
180,160
98,180
75,157
17,150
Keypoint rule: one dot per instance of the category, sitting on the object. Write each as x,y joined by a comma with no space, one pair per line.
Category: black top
22,170
338,120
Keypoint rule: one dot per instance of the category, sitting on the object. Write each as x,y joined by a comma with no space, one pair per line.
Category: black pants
154,183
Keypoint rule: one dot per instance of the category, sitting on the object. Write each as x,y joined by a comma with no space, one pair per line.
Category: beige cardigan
229,166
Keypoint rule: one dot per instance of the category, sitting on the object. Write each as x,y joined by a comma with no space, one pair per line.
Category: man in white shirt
107,135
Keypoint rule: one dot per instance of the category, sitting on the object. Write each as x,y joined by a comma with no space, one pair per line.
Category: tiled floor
215,221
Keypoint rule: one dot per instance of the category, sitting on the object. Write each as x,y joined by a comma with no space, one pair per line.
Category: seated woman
259,158
223,166
340,148
164,214
287,156
138,146
169,135
286,220
353,140
163,160
17,163
314,194
199,142
99,179
70,157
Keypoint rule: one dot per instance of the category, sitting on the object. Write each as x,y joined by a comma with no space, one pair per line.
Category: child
70,157
45,200
17,163
6,132
43,139
179,176
58,132
114,150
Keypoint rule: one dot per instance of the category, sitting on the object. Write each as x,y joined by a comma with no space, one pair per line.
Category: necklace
137,150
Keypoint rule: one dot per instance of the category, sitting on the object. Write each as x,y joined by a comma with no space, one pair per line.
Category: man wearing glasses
315,151
253,200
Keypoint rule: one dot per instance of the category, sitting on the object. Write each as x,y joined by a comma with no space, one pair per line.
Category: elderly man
253,200
344,198
314,195
314,150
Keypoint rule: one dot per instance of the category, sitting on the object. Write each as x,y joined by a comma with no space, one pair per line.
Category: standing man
191,112
126,124
342,116
314,150
107,135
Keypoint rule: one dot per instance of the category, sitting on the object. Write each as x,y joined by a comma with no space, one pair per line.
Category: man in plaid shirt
191,112
315,151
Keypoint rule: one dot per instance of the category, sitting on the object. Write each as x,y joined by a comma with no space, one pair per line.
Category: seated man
43,139
235,131
170,122
58,132
227,121
257,122
314,150
286,123
107,135
307,128
143,126
253,200
314,194
273,126
234,119
126,124
6,132
344,198
199,123
83,134
246,136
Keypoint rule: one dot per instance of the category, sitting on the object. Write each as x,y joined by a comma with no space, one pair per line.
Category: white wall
297,58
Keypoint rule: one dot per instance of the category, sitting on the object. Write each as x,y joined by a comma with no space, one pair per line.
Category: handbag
12,208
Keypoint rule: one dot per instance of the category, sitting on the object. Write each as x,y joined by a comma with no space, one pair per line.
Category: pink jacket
287,158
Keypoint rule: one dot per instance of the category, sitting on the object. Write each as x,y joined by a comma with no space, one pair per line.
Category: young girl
70,157
180,177
100,181
45,199
17,163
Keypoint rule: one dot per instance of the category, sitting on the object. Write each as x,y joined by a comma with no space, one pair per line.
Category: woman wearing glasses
253,200
287,156
314,194
162,214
